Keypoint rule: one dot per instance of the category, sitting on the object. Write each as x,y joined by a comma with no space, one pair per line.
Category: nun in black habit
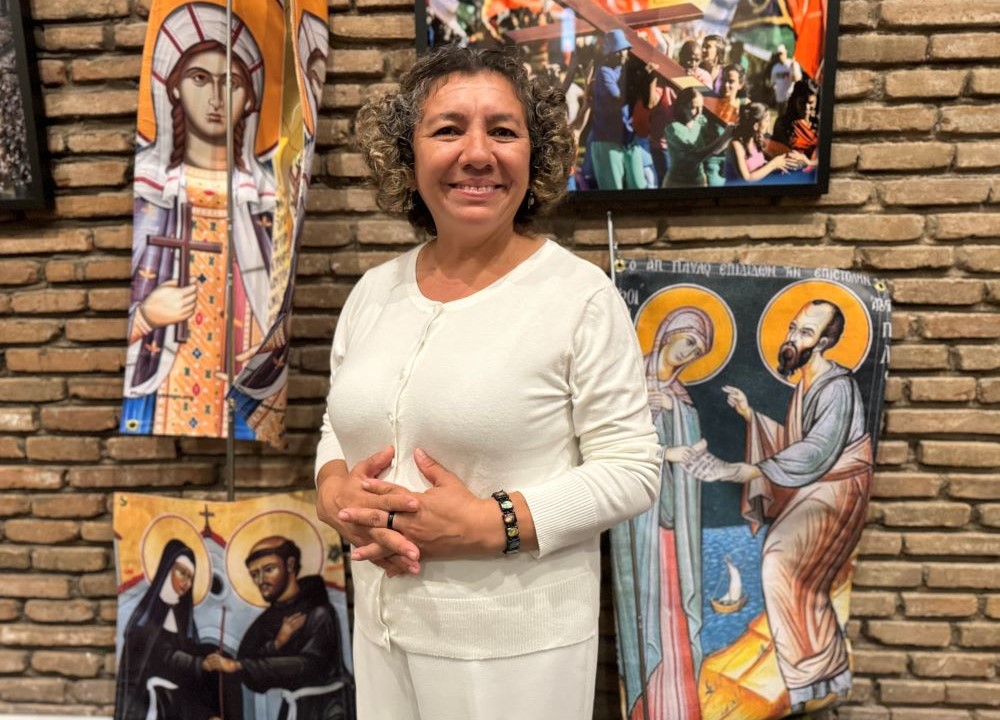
161,641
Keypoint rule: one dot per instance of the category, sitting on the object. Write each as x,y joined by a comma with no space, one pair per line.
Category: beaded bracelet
511,534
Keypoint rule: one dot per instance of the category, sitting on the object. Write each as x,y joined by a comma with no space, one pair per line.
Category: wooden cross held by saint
185,245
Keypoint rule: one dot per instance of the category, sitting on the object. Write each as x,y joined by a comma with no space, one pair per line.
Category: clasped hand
443,521
169,304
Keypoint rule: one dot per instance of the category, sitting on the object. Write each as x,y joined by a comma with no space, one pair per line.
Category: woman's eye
504,132
447,130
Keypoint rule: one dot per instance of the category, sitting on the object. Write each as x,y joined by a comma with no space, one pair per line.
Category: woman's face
710,53
694,108
472,155
202,95
809,104
731,85
181,578
680,349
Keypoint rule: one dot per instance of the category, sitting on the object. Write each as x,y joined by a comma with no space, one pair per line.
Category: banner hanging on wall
765,386
230,610
175,377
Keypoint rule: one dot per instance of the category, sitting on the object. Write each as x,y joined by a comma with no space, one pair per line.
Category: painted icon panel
765,387
230,610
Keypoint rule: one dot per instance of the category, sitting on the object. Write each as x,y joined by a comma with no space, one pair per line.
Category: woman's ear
176,94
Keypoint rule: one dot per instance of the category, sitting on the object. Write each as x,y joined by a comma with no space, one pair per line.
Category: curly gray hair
385,131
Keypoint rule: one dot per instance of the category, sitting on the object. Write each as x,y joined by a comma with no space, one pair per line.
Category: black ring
392,516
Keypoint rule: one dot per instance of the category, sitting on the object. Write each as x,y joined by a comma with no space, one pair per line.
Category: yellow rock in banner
743,682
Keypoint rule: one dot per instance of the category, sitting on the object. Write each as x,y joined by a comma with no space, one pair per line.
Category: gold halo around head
660,304
173,527
283,523
264,21
854,344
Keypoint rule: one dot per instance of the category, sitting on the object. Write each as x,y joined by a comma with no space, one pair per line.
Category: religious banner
175,378
765,388
230,610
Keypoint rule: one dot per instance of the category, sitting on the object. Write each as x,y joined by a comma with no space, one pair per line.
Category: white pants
553,684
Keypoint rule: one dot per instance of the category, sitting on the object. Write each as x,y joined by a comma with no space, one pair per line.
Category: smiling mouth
476,189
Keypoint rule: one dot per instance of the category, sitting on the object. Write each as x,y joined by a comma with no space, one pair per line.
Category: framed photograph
21,171
673,98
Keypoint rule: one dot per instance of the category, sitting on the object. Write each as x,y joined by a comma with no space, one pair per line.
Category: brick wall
913,197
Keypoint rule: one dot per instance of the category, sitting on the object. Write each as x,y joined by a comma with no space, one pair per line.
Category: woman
175,382
713,57
667,542
797,128
161,641
475,372
733,83
691,141
746,160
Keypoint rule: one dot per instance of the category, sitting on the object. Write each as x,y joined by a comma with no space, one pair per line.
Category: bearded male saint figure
294,644
175,381
811,478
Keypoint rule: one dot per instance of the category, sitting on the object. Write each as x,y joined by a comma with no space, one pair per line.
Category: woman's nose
477,150
218,94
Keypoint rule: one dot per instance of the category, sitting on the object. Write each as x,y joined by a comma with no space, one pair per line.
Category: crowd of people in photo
641,133
752,115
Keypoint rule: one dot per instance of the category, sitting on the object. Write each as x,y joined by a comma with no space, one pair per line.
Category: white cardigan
533,384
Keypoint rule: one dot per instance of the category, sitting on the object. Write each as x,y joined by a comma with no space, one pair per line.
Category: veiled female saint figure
175,382
161,641
665,649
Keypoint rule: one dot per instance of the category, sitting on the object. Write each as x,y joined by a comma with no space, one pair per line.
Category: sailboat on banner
735,598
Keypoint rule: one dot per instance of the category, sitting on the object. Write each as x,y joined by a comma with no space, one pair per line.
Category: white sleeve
618,476
329,447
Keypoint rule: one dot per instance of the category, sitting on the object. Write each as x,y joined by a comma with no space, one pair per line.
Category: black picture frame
23,168
520,22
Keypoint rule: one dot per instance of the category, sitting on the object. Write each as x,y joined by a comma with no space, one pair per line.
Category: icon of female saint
160,666
175,380
657,560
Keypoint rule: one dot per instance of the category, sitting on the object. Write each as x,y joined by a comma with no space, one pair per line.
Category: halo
175,527
854,344
285,523
658,306
264,23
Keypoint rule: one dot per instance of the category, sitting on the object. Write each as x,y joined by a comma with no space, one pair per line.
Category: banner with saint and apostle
765,388
176,380
228,610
